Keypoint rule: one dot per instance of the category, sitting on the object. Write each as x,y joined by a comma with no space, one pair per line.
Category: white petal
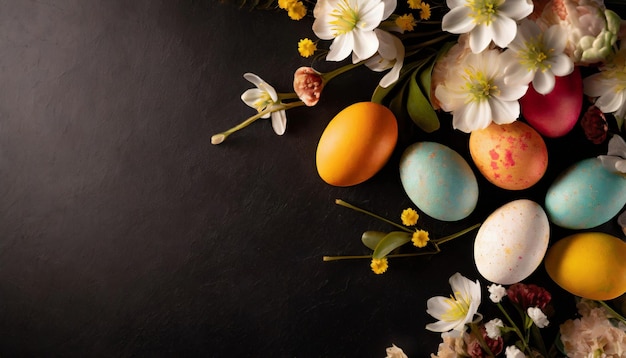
543,82
252,78
612,163
516,9
503,30
595,85
390,6
504,112
365,43
516,73
512,92
471,117
455,3
458,20
264,86
341,47
480,38
561,65
617,146
251,96
370,16
279,122
438,306
441,326
555,38
610,101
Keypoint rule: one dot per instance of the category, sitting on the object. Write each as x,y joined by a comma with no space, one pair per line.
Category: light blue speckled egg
585,195
438,181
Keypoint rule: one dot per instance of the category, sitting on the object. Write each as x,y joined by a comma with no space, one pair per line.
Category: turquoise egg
585,195
438,181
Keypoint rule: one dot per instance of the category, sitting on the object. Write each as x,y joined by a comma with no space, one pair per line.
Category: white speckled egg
439,181
512,242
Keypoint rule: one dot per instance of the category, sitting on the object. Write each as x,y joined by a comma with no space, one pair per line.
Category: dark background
124,232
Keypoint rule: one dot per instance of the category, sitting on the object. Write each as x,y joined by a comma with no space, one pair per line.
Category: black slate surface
124,232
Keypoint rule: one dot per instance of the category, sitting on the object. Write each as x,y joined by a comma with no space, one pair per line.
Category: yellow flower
379,266
406,22
420,238
306,47
424,11
414,4
285,4
409,217
297,10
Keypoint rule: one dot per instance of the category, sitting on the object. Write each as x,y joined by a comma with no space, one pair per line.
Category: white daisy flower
350,24
476,94
609,85
454,312
538,56
486,20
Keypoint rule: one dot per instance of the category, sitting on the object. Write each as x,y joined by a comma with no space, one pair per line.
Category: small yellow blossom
409,217
424,11
306,47
406,22
286,4
420,238
379,266
297,10
414,4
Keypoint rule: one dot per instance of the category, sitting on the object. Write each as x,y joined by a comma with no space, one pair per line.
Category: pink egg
511,156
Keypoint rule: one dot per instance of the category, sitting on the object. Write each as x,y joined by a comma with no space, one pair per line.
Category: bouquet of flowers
508,73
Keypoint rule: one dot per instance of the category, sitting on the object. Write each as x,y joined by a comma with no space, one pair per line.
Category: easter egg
356,144
590,265
511,242
511,156
585,195
438,181
556,113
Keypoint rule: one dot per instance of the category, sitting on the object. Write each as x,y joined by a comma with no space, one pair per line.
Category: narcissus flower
537,56
486,20
476,93
454,312
350,24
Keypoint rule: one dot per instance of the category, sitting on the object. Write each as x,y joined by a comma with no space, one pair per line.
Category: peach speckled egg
511,156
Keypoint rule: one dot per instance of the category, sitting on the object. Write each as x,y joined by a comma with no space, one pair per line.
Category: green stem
291,95
454,236
479,335
348,205
516,329
351,257
326,77
612,312
220,137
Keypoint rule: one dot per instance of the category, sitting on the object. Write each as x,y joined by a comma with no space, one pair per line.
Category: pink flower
529,295
308,85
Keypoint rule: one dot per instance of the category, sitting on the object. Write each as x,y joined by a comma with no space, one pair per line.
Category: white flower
476,94
538,56
615,160
537,315
455,312
486,20
395,352
609,85
390,55
513,352
493,328
496,292
350,24
263,98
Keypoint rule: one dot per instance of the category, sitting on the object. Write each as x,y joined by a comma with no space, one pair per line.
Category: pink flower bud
308,85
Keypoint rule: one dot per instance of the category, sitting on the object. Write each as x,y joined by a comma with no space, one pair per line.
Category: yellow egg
356,144
511,156
590,265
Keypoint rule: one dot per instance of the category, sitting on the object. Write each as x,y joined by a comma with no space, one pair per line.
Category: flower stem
352,257
336,72
612,312
454,236
348,205
220,137
481,340
517,331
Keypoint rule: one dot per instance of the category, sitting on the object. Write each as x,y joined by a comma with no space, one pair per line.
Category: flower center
263,102
479,86
457,310
346,18
483,10
534,55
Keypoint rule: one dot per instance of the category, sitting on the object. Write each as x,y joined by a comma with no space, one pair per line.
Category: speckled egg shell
438,181
585,195
512,242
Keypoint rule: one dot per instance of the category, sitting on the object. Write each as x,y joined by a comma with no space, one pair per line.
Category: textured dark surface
124,232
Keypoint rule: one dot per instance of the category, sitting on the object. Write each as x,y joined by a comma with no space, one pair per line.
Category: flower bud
308,85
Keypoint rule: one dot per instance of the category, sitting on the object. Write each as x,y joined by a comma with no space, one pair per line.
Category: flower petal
441,326
503,30
370,16
480,38
341,47
610,101
251,96
561,65
595,85
544,82
365,44
279,122
617,146
516,9
390,6
458,20
504,112
252,78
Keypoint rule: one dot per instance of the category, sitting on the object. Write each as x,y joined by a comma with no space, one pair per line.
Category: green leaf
419,108
372,238
381,93
397,104
390,242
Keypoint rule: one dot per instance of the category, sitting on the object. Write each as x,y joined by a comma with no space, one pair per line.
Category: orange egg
356,144
511,156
